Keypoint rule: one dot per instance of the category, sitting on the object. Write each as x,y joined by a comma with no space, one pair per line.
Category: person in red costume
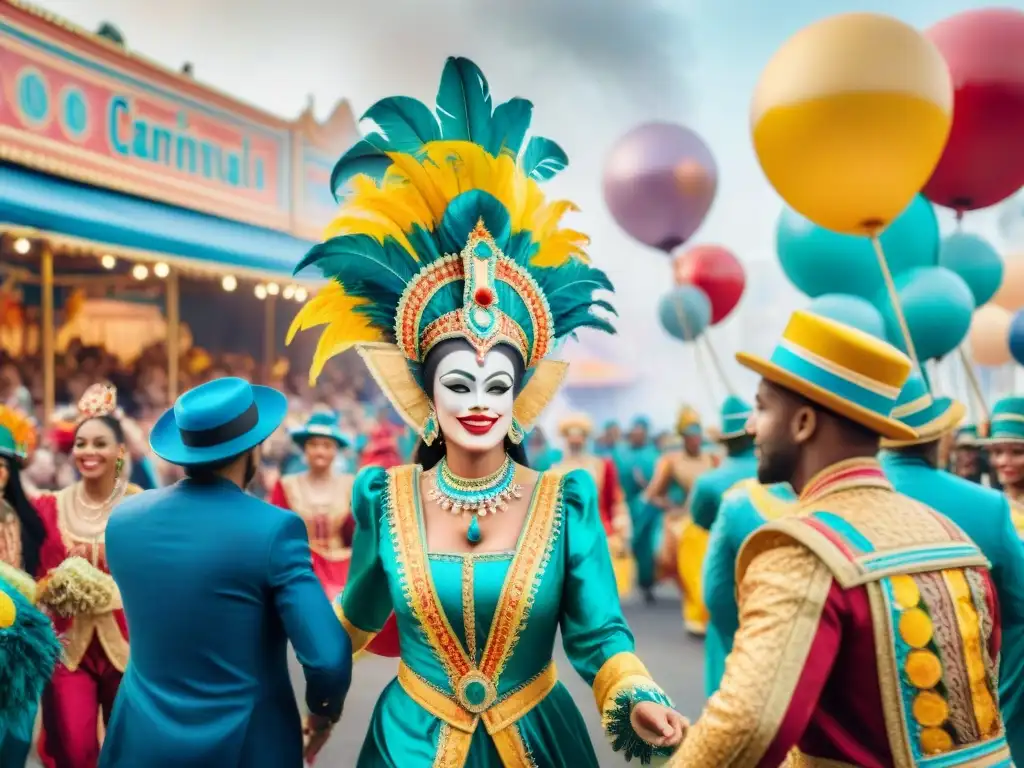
381,449
322,498
76,588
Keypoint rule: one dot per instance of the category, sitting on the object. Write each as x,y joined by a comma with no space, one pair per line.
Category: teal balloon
685,312
852,310
818,261
976,261
938,306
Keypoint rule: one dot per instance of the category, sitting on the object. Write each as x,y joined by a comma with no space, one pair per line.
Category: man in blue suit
982,513
215,583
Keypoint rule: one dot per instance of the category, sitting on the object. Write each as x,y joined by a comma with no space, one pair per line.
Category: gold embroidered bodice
324,514
10,536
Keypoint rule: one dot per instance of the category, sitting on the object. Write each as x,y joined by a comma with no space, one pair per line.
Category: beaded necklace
480,496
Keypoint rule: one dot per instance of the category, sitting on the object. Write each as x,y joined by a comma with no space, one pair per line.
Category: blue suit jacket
984,515
215,583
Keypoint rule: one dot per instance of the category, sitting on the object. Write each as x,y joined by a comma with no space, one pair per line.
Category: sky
593,68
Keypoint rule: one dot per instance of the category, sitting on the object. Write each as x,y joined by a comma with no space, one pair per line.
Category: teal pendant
473,534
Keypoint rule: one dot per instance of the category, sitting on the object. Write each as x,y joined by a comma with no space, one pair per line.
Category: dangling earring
516,433
118,466
430,431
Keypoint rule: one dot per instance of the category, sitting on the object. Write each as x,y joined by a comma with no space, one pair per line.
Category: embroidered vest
932,627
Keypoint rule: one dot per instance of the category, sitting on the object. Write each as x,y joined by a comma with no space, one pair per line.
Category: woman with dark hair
23,541
77,588
454,281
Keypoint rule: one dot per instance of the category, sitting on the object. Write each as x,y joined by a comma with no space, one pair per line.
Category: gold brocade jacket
867,637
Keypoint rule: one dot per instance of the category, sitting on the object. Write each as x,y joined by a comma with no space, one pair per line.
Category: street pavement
675,660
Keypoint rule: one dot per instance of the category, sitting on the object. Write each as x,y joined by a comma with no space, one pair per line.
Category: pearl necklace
102,509
480,496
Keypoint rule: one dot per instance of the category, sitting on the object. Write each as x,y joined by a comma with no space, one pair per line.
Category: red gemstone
484,297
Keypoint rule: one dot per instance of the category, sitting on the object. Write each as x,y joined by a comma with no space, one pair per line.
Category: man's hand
316,732
658,725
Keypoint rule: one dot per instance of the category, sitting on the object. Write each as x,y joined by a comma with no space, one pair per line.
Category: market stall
118,175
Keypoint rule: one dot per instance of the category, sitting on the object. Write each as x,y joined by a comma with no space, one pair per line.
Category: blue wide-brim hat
930,417
735,414
217,421
320,425
1007,422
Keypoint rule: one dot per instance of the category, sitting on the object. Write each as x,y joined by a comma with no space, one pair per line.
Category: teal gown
636,469
743,509
477,686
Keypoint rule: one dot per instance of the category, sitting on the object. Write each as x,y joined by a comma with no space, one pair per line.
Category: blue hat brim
18,458
300,436
165,438
949,414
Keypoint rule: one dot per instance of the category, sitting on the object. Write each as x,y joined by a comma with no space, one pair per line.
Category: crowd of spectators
344,388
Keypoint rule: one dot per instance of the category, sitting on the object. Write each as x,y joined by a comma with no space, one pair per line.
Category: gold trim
469,607
360,637
612,674
540,390
389,367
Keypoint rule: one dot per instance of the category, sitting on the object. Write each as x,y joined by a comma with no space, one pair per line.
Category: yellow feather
546,218
563,246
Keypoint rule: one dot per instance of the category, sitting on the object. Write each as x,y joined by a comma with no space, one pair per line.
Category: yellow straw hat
840,368
576,422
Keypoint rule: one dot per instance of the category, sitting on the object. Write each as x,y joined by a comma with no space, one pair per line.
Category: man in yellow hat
984,514
868,626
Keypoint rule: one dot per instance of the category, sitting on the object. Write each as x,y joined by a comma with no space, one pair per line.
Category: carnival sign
74,106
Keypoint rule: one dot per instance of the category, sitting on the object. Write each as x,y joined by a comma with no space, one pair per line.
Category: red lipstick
477,425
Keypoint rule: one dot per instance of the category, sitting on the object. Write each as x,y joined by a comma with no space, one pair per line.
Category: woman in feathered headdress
77,589
452,277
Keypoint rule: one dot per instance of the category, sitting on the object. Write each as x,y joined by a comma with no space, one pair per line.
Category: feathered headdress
444,233
17,434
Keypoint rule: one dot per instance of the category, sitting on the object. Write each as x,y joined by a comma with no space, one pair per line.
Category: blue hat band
835,379
207,438
919,412
735,423
1008,426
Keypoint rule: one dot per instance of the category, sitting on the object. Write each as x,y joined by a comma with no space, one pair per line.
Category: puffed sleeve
365,605
52,552
595,635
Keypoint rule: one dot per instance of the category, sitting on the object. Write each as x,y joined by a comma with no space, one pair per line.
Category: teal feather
462,215
363,157
407,123
509,125
464,102
543,159
29,650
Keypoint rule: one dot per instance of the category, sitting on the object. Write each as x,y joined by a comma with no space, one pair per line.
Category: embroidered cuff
360,638
619,728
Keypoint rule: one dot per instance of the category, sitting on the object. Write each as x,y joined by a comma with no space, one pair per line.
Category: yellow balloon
849,120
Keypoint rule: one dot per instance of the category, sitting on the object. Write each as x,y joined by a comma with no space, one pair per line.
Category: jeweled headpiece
444,233
98,400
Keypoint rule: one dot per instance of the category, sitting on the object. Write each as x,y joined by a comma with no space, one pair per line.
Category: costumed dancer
217,583
322,498
542,454
609,441
966,459
1005,447
744,508
29,650
682,545
869,625
576,431
78,590
453,278
913,467
636,461
382,448
23,539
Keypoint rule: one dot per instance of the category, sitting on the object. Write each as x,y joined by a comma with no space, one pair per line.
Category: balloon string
890,286
972,378
677,305
936,378
717,363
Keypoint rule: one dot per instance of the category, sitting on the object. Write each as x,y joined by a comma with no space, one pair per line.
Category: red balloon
983,162
717,272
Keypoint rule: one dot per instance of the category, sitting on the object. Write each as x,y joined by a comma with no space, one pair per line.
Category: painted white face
474,401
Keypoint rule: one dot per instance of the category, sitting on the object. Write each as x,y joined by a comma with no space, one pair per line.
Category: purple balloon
659,182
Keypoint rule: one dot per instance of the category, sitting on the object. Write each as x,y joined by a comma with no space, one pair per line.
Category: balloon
659,181
937,305
852,310
983,161
685,312
715,271
1015,337
818,261
1011,293
976,261
849,119
989,336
